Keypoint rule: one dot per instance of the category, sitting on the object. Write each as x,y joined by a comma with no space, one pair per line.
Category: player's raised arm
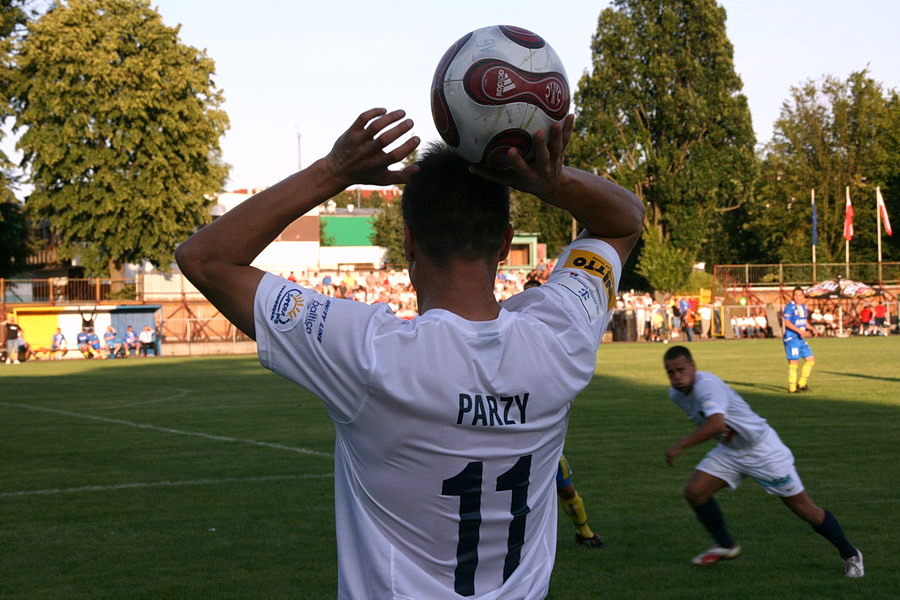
217,258
605,209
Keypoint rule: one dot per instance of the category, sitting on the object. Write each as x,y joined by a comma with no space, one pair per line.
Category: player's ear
506,244
408,244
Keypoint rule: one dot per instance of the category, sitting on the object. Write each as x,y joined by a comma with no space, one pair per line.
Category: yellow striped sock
804,373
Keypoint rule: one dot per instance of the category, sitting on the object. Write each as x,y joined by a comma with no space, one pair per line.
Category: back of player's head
677,352
452,213
532,282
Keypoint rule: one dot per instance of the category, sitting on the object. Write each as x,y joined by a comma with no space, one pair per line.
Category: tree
13,226
387,231
829,136
530,214
122,126
661,114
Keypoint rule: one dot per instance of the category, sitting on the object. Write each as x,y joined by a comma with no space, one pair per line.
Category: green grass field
211,478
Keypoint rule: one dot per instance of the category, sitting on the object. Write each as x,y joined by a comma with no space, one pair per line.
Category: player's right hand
359,156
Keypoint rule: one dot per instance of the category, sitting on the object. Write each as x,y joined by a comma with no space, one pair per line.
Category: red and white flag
848,218
882,210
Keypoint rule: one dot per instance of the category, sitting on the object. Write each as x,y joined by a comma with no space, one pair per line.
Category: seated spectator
113,346
83,346
94,342
865,317
147,340
817,321
58,345
130,342
828,320
23,348
762,324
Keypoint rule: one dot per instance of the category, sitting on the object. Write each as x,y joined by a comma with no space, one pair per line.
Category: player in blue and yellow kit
795,346
58,345
94,343
112,345
573,506
84,345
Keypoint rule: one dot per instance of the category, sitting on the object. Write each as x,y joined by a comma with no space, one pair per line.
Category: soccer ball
493,89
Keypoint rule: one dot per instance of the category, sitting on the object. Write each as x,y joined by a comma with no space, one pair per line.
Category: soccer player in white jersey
748,447
448,426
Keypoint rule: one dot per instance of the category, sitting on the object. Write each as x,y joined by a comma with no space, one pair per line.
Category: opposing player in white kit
748,447
449,426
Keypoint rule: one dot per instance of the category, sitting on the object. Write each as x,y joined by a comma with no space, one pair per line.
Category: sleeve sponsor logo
317,311
585,292
285,307
597,266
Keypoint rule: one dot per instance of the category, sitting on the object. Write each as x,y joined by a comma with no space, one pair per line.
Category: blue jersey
93,340
130,337
109,337
795,314
58,340
82,338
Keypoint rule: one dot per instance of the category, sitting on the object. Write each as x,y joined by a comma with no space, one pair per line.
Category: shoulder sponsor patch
285,305
585,292
597,266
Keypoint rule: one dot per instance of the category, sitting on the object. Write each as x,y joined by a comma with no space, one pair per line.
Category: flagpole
846,239
878,228
812,194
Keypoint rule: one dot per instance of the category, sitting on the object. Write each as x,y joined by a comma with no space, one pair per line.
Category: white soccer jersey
712,396
448,431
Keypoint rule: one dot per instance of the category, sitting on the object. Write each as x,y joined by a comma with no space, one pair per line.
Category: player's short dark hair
451,212
532,282
797,288
676,352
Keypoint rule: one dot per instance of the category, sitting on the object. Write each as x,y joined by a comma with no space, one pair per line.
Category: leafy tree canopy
13,225
831,135
661,113
121,132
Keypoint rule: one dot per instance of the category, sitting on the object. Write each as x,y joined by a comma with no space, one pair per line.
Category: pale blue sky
312,66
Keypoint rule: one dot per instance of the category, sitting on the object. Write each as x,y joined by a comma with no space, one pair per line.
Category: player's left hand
359,155
544,175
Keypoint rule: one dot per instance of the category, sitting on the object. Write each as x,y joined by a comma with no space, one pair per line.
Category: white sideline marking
179,393
155,484
209,436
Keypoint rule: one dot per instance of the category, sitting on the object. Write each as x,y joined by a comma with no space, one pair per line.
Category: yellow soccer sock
792,377
804,373
574,508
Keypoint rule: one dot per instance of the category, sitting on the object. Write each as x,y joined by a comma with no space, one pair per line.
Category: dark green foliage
661,114
14,246
830,135
553,225
121,132
387,229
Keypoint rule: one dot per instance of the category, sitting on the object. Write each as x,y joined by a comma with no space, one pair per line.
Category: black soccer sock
710,516
831,530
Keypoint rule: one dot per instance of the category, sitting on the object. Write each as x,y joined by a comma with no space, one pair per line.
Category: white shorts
769,462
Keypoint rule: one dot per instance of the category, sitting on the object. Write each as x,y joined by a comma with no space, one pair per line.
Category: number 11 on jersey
467,485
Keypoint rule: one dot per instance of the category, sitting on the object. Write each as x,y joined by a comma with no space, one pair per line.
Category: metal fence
214,329
805,274
65,290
